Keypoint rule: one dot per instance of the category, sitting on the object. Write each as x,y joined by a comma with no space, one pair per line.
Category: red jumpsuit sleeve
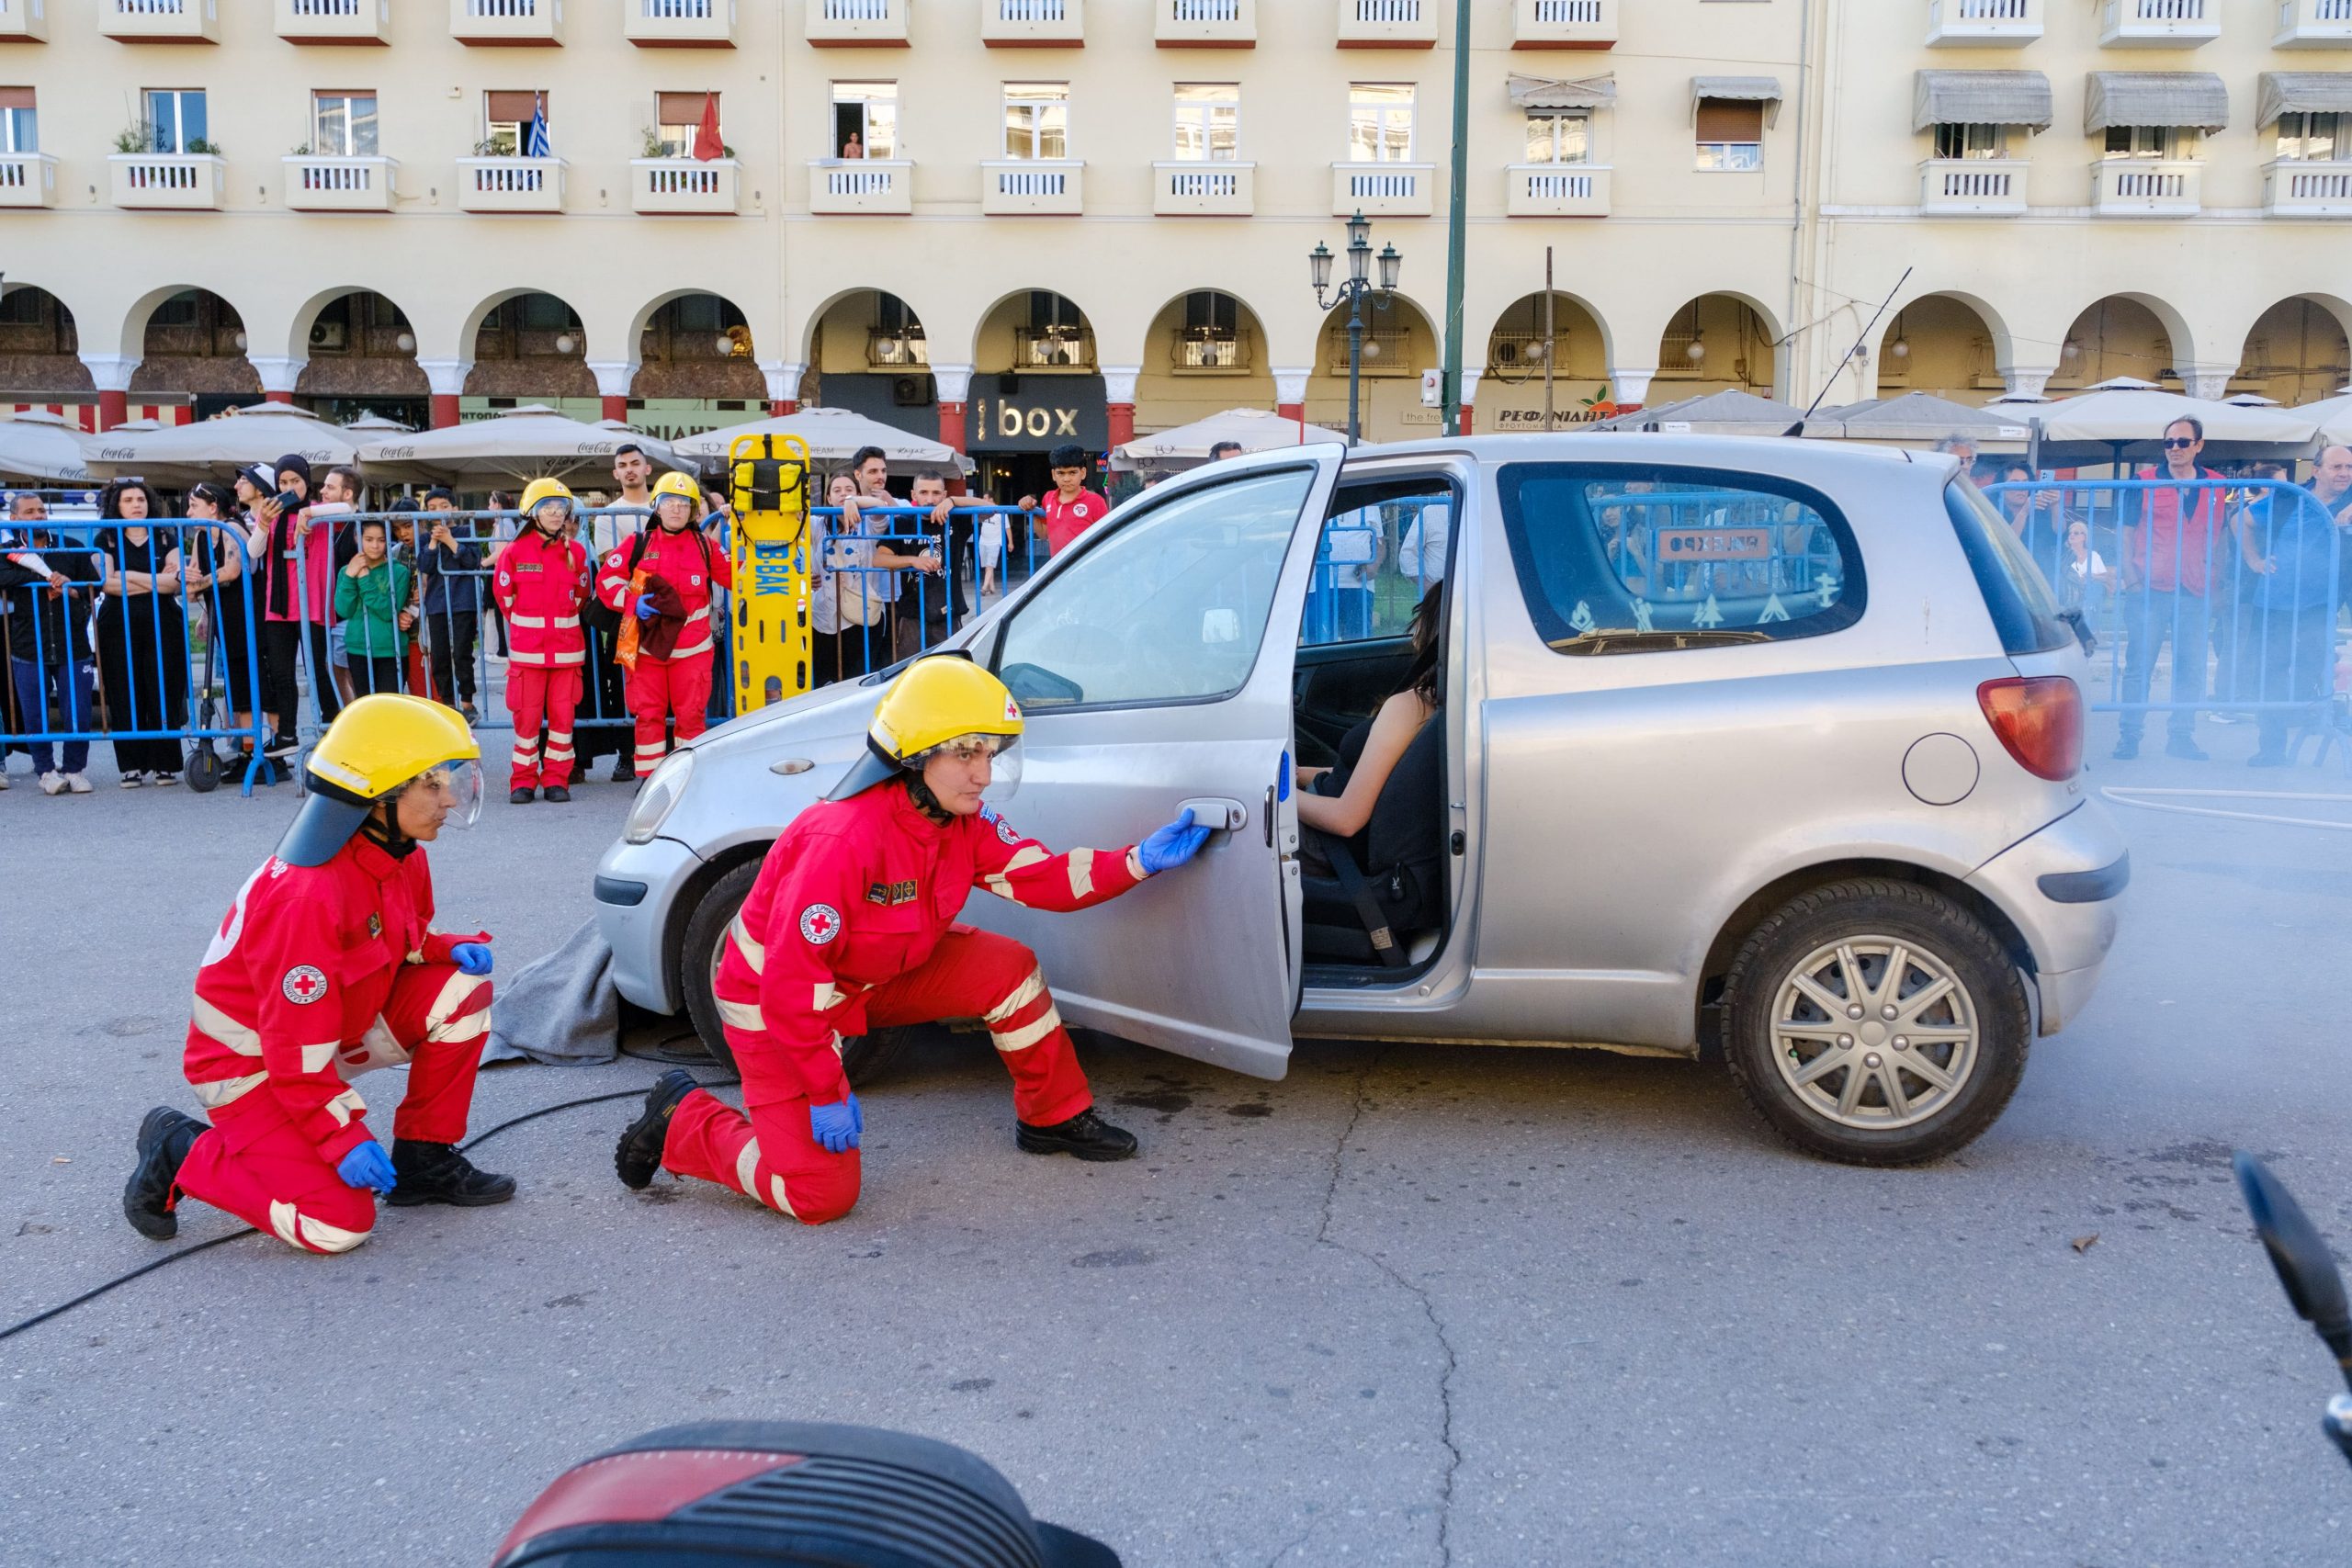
1024,872
583,584
502,586
807,913
612,583
297,974
722,569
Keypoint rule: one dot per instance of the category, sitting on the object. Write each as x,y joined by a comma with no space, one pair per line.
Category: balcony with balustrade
1983,24
857,24
679,24
1387,24
1384,190
2295,187
507,23
339,185
2147,187
1023,188
1558,191
2313,24
2159,24
1053,348
1564,23
849,188
333,21
166,182
686,188
24,21
160,21
1032,24
511,184
28,179
1196,189
1204,24
1971,188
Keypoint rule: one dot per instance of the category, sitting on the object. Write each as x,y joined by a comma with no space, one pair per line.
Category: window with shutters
677,116
342,123
2162,144
1731,134
19,129
1972,142
505,117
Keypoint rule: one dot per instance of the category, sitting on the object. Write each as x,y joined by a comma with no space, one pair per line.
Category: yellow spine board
768,480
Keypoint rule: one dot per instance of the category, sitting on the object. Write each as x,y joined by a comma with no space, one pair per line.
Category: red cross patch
820,923
303,983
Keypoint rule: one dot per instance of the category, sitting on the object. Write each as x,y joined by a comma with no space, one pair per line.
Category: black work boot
1085,1134
437,1173
557,794
624,767
638,1154
518,797
164,1137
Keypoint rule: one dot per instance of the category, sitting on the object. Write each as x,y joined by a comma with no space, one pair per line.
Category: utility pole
1457,220
1551,346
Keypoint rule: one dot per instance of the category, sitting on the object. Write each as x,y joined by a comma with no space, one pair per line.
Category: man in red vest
2173,559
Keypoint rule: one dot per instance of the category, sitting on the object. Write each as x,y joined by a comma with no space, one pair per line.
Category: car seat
1401,855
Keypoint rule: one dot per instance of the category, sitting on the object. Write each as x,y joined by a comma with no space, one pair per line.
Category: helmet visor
1003,752
456,788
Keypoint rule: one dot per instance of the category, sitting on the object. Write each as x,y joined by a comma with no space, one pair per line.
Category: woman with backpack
665,579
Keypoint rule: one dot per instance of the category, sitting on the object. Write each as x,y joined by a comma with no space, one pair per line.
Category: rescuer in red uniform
327,966
664,577
542,582
851,926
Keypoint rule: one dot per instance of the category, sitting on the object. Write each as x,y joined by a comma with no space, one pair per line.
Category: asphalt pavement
1413,1305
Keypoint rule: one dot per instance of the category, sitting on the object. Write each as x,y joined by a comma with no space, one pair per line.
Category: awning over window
2301,92
2196,98
1981,97
1538,93
1765,90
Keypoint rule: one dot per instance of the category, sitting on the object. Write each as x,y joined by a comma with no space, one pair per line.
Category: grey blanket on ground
561,1007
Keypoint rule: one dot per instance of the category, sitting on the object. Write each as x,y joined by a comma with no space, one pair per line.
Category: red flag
707,146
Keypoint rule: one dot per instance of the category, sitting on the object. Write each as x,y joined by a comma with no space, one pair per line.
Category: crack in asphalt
1429,1309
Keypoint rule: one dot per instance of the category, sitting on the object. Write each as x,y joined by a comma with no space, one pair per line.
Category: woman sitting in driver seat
1339,801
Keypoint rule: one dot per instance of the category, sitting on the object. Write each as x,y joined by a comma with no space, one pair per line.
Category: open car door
1154,671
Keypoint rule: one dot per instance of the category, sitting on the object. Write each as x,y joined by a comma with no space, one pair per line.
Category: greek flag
534,135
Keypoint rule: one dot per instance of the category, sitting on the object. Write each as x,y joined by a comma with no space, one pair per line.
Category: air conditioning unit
1008,384
329,334
911,391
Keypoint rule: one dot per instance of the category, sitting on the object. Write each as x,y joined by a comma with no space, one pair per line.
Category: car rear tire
865,1058
1848,1058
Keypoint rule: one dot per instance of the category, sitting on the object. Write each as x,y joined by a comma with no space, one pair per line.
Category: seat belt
1359,892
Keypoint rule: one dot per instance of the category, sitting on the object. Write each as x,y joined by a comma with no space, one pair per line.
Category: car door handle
1225,816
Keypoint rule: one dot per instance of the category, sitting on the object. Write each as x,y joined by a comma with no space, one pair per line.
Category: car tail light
2039,719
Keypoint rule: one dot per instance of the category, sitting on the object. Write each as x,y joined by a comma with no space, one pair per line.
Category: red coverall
677,682
317,975
540,587
850,927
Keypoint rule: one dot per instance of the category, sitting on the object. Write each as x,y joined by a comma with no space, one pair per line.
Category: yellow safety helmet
538,491
934,701
378,745
678,484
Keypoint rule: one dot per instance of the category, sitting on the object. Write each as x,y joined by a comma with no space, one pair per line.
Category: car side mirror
2306,1268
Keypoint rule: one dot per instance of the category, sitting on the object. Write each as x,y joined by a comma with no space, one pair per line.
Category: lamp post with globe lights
1352,288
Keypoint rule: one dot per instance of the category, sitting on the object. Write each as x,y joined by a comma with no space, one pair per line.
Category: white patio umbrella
42,446
372,427
1712,414
517,447
178,456
1187,445
833,436
2334,416
2120,422
1920,418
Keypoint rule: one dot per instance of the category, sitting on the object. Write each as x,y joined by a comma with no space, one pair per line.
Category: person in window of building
371,599
1224,449
143,636
1338,800
2286,634
50,587
451,563
215,557
855,147
296,612
1072,509
853,926
2170,562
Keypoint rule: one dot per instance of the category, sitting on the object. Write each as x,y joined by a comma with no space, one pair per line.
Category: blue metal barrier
126,653
2233,589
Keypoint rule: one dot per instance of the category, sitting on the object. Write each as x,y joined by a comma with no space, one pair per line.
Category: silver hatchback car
1773,744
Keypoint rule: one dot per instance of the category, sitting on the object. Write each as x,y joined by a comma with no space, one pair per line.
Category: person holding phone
298,599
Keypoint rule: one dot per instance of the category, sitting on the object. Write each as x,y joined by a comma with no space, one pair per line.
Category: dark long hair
1426,676
110,500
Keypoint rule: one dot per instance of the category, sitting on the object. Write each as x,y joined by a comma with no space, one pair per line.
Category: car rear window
1620,557
2024,611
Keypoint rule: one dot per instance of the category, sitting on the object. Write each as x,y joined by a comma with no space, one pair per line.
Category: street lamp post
1352,288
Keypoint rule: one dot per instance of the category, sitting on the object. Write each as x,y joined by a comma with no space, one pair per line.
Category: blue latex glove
645,610
471,957
367,1166
1171,845
837,1127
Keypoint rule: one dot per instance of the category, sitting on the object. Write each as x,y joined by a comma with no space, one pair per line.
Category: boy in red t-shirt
1072,508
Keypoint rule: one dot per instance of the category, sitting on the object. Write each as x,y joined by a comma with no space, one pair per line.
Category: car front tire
865,1058
1875,1023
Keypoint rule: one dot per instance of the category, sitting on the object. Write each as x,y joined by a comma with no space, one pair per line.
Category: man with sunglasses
2172,553
853,926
